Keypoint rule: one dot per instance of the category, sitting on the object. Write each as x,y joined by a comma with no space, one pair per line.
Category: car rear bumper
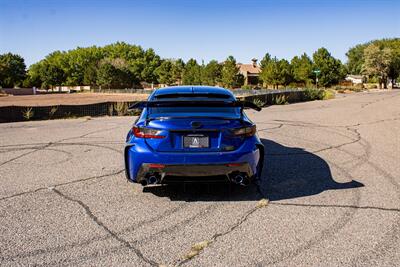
194,172
140,162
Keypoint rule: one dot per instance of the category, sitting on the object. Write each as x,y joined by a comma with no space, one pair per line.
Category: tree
285,72
212,73
302,69
177,70
51,75
355,57
191,73
332,70
90,74
164,73
33,77
12,70
106,74
394,67
151,63
270,73
230,73
377,63
276,72
265,61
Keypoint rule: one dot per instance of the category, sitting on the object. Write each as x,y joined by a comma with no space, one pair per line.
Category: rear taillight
142,132
245,131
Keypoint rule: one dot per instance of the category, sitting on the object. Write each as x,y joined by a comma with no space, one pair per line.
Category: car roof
193,90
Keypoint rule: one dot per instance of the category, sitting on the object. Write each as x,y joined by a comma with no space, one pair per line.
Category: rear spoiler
242,104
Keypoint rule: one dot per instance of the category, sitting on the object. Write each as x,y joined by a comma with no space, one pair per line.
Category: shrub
121,108
279,100
247,87
111,110
371,86
311,94
27,113
259,102
53,110
328,94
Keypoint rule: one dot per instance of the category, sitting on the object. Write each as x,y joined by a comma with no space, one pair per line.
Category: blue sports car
193,133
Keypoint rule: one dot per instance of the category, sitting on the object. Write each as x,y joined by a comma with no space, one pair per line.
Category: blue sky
202,29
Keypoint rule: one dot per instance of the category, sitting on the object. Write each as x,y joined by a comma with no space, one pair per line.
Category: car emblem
195,124
195,141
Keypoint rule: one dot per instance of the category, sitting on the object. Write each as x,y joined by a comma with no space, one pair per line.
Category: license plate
195,141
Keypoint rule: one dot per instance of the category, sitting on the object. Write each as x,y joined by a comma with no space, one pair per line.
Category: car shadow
289,172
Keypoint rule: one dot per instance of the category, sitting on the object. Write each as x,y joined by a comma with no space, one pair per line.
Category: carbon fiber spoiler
242,104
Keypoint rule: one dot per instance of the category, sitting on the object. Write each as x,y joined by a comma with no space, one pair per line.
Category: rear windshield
191,96
229,112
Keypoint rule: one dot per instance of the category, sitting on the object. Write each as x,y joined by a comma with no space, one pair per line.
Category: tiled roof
249,68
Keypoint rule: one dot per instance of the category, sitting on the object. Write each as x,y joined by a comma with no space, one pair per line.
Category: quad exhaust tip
240,179
152,179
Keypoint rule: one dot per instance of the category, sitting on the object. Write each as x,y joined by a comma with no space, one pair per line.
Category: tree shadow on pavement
289,172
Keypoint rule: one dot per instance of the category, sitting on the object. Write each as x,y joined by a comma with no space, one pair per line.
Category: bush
371,86
121,108
313,94
247,87
328,94
259,102
279,100
27,114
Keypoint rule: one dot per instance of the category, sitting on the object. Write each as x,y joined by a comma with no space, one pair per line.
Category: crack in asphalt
327,232
305,152
25,154
335,206
218,235
232,228
129,229
62,184
376,101
54,143
41,144
99,223
183,223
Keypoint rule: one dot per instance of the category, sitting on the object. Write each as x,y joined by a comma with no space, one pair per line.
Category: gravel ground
329,195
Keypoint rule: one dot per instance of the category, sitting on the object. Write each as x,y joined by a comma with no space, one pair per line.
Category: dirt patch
68,99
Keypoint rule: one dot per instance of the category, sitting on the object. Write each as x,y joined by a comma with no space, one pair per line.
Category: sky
200,29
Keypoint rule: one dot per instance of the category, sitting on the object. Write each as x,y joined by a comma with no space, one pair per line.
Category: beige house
355,79
250,72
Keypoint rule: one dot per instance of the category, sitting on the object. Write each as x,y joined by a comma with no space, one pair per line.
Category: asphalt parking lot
330,194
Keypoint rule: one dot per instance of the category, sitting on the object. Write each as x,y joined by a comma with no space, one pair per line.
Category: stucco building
251,72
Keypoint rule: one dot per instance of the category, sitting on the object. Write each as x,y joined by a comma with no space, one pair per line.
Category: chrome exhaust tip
245,181
238,179
152,179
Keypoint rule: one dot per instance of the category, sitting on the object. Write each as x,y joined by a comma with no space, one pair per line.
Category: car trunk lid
195,134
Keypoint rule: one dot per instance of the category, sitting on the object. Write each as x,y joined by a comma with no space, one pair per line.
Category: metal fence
22,113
